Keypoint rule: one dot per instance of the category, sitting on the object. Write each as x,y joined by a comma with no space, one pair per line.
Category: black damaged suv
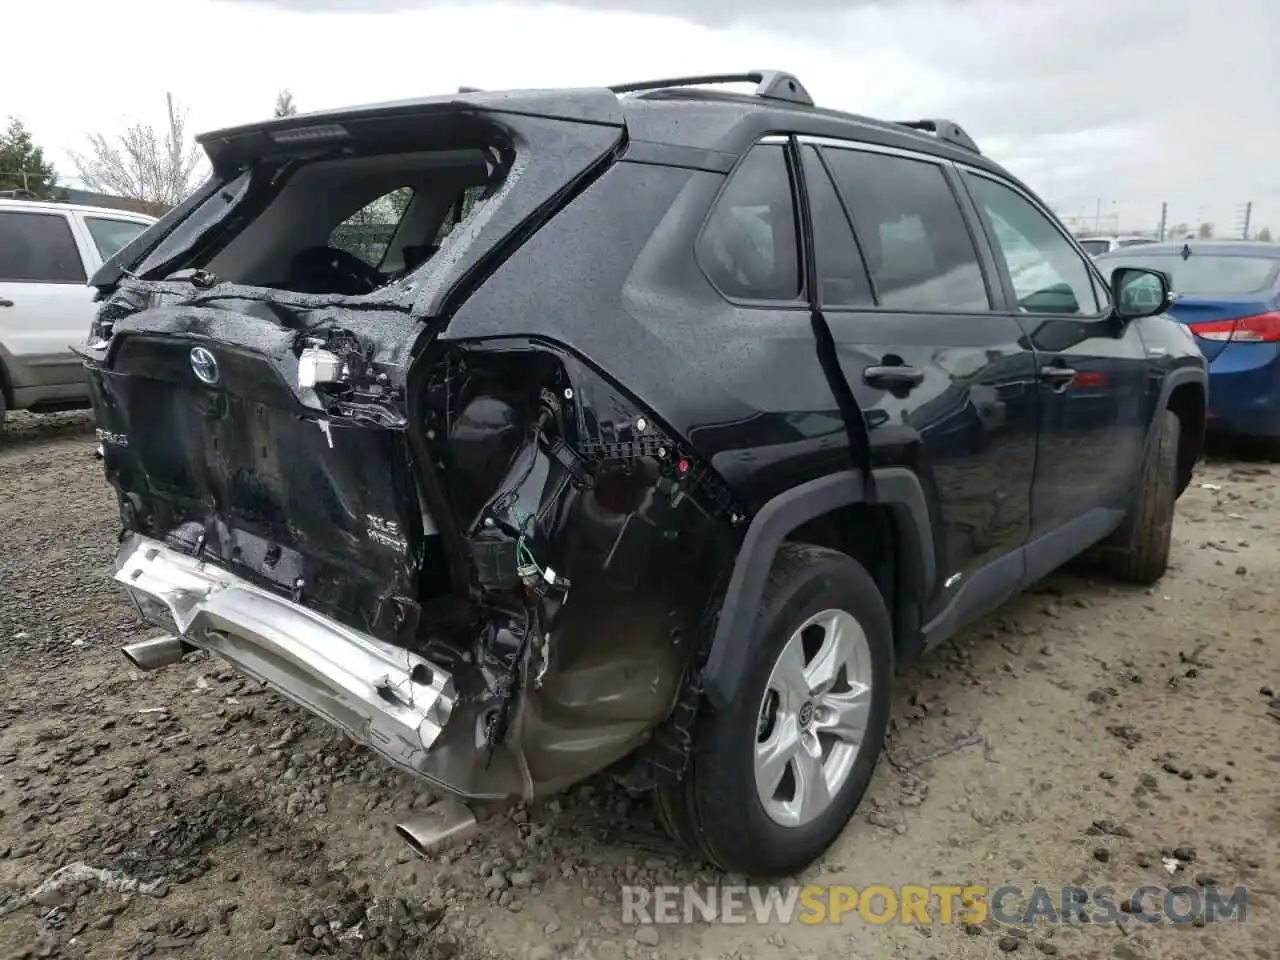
529,435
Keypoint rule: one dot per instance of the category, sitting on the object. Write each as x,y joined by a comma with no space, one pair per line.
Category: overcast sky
1122,102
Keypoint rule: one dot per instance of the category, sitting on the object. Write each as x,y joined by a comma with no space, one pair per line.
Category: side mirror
1140,293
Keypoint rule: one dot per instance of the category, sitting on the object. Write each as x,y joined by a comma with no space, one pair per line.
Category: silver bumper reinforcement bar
389,699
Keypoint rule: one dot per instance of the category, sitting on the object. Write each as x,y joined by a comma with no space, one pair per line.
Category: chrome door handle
895,376
1059,377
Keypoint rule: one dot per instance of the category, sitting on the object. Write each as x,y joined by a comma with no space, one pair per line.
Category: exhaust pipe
155,653
445,824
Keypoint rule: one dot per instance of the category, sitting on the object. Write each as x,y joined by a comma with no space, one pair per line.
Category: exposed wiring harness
504,500
542,583
539,579
496,729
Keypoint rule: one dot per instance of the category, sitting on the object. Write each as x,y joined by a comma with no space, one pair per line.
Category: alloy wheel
813,718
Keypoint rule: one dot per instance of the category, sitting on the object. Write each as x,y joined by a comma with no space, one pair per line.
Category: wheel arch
1187,398
897,490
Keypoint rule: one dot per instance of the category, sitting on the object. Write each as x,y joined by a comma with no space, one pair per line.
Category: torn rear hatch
548,141
249,367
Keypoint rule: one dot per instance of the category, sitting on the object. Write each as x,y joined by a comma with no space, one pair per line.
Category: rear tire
1140,553
774,778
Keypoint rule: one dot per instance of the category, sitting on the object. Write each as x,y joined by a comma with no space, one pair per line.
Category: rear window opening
345,225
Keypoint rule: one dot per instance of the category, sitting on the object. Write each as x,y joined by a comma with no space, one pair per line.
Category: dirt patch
1084,735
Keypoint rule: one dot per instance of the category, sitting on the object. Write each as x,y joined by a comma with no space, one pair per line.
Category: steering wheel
322,269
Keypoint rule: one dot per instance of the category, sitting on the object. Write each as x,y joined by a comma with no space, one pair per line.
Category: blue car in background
1228,294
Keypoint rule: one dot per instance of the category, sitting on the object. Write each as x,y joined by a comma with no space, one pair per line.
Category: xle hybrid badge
204,365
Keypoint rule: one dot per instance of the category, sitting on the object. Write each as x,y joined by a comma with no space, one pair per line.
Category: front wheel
775,777
1139,550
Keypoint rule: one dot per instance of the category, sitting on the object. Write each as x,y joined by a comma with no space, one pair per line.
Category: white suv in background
48,251
1096,245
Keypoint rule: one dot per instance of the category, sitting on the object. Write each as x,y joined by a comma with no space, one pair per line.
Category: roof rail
471,90
770,85
944,130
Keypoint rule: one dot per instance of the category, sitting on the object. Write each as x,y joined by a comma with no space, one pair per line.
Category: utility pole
1097,217
1248,213
1164,218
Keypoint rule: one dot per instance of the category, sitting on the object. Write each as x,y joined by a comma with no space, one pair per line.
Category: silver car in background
48,251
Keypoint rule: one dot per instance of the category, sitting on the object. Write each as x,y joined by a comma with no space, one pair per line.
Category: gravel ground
1078,736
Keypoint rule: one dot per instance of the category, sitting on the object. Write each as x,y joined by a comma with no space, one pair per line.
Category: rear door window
748,245
842,275
110,234
911,230
38,248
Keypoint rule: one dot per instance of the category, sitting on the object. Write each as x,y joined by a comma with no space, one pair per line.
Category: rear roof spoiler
588,105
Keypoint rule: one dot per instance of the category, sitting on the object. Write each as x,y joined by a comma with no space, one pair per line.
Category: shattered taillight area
515,533
594,541
344,371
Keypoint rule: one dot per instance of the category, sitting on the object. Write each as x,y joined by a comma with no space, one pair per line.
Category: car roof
1218,248
683,112
728,122
54,206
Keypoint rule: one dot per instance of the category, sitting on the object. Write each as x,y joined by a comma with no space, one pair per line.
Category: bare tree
285,107
143,164
1205,231
1265,234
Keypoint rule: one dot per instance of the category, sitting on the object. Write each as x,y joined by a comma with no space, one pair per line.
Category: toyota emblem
204,365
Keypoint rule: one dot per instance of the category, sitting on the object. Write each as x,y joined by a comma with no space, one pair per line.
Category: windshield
1202,274
1095,247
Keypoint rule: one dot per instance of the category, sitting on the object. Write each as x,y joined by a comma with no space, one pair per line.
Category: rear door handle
895,376
5,303
1059,377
